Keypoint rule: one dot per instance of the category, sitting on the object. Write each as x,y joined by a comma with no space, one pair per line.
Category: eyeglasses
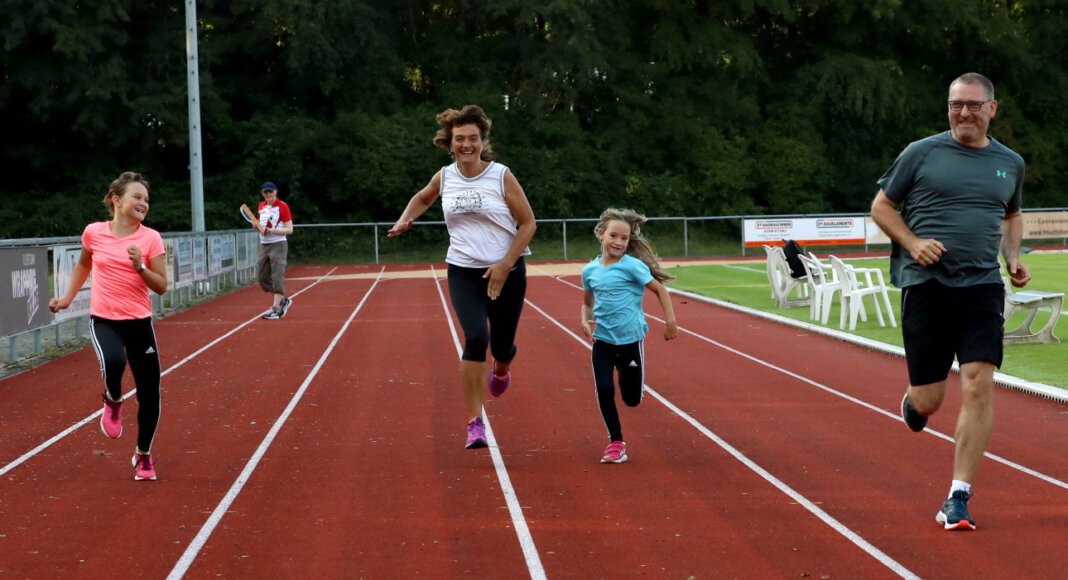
973,106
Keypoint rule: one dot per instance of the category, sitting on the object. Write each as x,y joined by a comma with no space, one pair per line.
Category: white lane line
191,551
64,433
519,522
801,500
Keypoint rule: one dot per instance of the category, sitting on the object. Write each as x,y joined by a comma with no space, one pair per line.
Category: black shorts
939,322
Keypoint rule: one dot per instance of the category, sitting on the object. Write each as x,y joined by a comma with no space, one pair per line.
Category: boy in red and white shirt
277,223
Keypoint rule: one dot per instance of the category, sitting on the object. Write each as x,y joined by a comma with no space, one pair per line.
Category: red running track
330,444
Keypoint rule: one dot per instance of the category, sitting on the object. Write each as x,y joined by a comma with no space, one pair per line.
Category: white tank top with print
481,227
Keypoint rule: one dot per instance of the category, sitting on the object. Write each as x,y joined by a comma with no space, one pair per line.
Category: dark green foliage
672,107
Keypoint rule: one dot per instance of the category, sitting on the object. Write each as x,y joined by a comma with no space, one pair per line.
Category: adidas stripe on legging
118,342
628,360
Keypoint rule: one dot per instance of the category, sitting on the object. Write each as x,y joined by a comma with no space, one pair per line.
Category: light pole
196,168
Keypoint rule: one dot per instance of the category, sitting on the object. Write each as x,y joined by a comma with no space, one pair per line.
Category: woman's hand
497,275
399,228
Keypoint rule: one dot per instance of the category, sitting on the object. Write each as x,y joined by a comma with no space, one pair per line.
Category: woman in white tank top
490,225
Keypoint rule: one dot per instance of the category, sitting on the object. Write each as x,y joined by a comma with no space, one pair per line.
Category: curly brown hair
469,115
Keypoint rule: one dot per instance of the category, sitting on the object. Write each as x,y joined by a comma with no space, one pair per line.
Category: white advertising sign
63,260
821,231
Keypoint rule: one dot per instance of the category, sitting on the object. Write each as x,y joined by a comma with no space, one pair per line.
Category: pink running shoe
476,434
144,467
498,385
616,452
111,419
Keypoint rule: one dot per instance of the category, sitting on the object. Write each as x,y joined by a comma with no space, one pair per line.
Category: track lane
51,398
369,478
215,410
679,507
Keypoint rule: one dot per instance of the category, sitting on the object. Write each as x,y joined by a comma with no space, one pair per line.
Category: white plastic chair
854,289
1030,301
824,284
783,285
772,281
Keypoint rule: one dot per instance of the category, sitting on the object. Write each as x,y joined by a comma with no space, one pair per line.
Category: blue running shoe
954,514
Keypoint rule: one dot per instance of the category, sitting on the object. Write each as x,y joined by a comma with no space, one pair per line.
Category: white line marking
519,522
62,434
837,526
190,554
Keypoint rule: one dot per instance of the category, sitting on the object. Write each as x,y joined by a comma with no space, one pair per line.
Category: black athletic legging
467,289
119,341
629,361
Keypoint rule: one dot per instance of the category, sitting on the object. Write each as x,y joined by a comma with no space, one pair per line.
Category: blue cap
269,186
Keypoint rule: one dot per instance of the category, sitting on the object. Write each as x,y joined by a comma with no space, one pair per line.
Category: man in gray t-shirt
949,203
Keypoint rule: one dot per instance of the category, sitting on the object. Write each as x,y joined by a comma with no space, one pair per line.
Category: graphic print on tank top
469,201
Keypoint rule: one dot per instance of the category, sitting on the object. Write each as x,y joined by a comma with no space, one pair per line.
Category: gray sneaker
284,305
273,314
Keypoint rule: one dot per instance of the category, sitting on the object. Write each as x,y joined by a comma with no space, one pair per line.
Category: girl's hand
671,330
55,305
587,329
135,256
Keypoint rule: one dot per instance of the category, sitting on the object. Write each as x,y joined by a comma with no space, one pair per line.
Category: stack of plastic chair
783,285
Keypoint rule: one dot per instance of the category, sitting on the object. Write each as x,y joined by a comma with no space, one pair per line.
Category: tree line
673,107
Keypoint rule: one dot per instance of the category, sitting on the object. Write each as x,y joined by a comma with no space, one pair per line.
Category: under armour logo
150,350
1002,174
633,364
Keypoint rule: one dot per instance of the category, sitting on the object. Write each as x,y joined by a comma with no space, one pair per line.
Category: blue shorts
940,322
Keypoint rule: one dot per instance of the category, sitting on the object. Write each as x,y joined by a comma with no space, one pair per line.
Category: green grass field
746,284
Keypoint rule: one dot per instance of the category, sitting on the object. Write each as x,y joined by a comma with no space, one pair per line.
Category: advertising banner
820,231
1040,225
63,260
24,291
200,258
183,262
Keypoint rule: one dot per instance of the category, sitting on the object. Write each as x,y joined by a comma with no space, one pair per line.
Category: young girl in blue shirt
612,316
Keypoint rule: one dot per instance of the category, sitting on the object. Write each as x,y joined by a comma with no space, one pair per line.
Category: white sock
959,485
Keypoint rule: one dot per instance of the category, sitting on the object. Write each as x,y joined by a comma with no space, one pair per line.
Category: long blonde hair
638,246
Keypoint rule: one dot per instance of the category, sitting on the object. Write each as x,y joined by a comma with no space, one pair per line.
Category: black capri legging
118,342
467,289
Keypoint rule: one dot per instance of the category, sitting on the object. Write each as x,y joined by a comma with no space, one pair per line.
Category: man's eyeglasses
973,106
